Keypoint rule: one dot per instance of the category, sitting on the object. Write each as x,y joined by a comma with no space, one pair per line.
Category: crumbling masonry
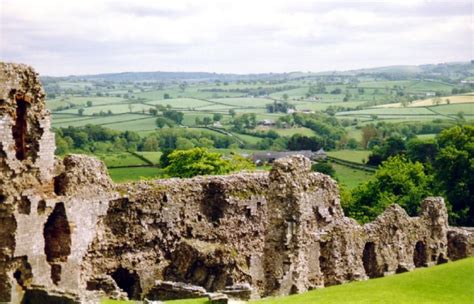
68,234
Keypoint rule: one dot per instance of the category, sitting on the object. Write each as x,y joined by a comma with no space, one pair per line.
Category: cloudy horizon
63,38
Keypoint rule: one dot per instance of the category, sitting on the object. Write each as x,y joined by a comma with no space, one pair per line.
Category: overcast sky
62,37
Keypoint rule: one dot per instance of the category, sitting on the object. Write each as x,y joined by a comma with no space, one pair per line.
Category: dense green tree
161,122
324,167
81,139
174,115
454,171
62,146
206,120
397,181
205,142
352,144
423,151
217,117
279,106
151,143
279,144
301,142
245,121
393,145
199,161
184,143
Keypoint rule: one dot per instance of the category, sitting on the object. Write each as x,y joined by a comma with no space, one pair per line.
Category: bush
325,168
199,161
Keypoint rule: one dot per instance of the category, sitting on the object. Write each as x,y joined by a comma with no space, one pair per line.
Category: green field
453,109
118,108
244,102
412,113
130,102
79,101
248,138
443,284
121,160
180,102
121,175
449,283
292,131
357,156
153,157
188,301
351,177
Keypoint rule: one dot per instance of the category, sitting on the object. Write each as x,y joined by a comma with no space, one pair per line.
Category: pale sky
63,37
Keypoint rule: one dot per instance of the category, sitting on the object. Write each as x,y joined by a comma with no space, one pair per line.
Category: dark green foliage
324,167
390,147
454,171
442,166
279,106
245,121
397,181
93,138
423,151
173,115
169,137
300,142
206,121
164,160
97,139
161,122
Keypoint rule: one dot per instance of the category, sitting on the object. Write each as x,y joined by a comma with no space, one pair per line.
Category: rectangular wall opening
20,129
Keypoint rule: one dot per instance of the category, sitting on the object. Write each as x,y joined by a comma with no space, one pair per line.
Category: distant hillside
160,76
446,71
456,70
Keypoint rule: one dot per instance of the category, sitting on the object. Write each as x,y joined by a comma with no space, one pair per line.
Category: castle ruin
68,234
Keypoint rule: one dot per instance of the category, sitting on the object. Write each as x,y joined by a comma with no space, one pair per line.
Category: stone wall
69,235
282,233
48,209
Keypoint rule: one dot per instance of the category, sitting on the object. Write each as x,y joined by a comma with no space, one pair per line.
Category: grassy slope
153,157
350,155
121,159
120,175
350,177
189,301
448,283
443,284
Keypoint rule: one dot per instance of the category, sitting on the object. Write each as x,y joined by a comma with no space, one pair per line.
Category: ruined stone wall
282,233
68,234
48,209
